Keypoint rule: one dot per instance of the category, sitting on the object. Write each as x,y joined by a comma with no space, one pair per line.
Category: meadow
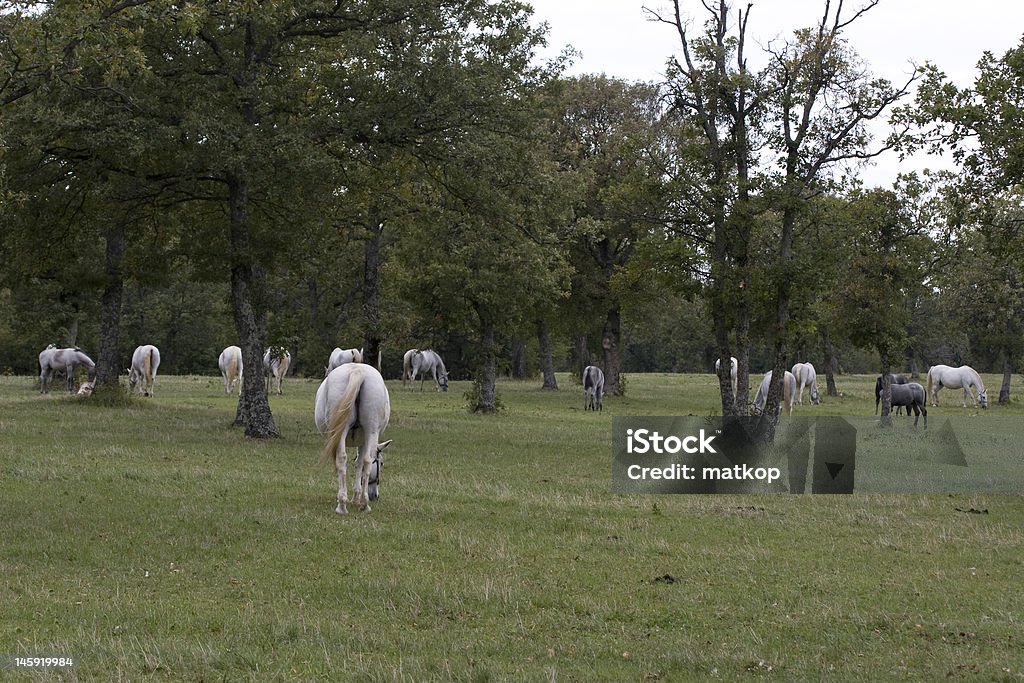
151,541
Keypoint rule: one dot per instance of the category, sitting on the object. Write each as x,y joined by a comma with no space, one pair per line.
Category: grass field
150,541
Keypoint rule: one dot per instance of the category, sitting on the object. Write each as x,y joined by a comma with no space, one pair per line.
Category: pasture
150,541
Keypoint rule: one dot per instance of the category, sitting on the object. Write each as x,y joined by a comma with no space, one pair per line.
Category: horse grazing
911,396
940,376
342,356
231,368
352,405
145,361
806,377
416,362
788,393
893,379
593,388
276,360
732,372
52,358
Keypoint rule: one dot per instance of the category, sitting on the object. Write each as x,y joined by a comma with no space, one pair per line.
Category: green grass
152,541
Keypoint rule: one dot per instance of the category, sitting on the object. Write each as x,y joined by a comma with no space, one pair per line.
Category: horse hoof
341,509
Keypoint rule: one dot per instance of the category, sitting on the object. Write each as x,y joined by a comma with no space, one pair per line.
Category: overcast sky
614,37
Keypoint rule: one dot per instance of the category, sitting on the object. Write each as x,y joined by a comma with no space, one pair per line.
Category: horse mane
977,378
338,419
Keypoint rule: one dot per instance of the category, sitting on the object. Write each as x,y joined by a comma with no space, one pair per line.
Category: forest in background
397,175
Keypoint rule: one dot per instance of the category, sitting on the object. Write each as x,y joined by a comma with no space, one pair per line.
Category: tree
887,255
716,96
481,262
821,98
610,141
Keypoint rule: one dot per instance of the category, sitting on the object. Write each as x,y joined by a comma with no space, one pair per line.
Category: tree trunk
769,417
886,410
612,359
831,363
249,308
547,364
487,401
519,370
582,356
1004,390
371,289
108,362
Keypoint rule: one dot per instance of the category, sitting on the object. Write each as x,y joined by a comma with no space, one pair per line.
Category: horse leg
970,392
71,378
44,376
341,463
361,485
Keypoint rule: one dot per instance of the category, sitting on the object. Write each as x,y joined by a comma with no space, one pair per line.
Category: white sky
614,37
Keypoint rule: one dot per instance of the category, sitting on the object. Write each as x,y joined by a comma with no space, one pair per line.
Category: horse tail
405,368
232,370
147,365
928,392
357,356
337,421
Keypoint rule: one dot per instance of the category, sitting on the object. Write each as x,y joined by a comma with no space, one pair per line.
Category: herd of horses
353,407
903,393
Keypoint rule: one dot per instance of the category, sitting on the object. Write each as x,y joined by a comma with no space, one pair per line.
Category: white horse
416,362
593,388
231,368
732,372
353,405
788,393
941,376
806,377
52,358
342,356
276,360
145,361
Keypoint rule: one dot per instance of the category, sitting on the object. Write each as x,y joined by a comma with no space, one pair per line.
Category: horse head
815,396
983,398
373,486
87,388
